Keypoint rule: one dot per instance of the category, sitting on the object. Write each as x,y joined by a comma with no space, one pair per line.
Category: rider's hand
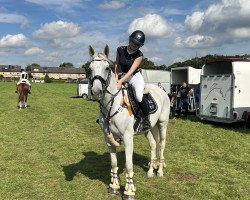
119,84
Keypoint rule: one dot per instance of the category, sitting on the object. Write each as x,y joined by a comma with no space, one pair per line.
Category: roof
10,68
58,70
229,60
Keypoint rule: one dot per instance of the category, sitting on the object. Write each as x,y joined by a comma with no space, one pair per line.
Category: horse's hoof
113,191
160,174
128,197
150,174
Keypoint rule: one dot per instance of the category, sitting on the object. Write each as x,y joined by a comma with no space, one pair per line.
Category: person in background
185,92
173,98
23,79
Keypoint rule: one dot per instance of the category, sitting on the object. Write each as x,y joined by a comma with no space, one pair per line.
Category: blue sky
49,32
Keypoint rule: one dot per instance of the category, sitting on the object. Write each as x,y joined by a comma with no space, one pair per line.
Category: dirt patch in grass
187,177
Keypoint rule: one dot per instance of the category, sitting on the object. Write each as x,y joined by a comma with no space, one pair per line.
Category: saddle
133,105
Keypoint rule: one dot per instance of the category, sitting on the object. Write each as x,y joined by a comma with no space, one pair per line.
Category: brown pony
22,91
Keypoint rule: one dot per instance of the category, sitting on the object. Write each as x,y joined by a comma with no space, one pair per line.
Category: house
10,71
58,73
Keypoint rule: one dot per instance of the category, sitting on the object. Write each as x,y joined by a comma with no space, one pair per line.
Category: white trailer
156,76
191,76
83,89
187,74
225,91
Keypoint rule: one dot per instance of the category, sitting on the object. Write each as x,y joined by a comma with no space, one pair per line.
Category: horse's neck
107,100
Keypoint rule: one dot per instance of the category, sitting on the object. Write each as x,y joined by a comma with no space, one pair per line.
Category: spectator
172,97
185,91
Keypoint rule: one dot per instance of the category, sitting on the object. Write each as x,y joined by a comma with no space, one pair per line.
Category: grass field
55,150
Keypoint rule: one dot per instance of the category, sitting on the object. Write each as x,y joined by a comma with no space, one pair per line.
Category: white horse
116,122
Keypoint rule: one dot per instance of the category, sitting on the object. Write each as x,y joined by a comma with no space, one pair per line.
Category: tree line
196,62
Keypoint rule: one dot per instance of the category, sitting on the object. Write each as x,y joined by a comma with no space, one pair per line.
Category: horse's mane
101,56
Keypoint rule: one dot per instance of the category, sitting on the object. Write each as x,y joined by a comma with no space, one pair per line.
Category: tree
1,77
147,64
47,79
86,67
31,66
66,65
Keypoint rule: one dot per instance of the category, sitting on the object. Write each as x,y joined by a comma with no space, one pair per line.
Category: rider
23,79
129,58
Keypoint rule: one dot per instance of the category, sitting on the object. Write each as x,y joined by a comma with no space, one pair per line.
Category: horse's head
100,72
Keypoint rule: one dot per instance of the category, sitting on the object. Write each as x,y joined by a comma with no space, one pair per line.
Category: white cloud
3,53
155,59
63,44
52,57
34,51
14,41
194,22
114,4
58,29
59,5
194,41
241,32
173,11
152,25
224,19
13,18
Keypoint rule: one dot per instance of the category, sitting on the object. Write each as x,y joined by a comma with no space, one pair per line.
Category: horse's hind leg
163,134
25,102
153,147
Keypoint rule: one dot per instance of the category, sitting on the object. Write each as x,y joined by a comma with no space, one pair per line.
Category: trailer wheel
84,96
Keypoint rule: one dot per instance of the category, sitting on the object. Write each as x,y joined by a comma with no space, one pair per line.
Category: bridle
105,84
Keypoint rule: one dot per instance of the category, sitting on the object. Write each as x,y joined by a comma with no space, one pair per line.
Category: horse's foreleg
153,161
130,189
114,186
163,135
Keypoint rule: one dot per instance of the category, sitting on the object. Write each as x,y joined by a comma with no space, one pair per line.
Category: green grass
55,150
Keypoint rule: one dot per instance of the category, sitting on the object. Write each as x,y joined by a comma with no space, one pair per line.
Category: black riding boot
144,107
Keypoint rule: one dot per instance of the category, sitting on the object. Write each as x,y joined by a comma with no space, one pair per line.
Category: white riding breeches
23,81
138,84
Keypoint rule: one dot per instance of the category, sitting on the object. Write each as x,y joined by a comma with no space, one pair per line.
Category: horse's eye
107,68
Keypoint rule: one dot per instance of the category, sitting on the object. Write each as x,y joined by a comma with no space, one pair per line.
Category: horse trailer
191,76
83,89
157,76
224,95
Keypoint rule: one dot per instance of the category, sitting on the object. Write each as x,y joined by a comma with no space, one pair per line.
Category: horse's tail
22,92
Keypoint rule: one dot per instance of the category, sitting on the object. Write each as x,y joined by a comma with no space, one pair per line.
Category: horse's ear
106,50
91,51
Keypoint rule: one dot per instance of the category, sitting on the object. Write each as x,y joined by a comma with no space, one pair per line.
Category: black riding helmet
137,37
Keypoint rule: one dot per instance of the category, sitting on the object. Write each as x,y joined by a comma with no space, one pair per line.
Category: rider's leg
138,84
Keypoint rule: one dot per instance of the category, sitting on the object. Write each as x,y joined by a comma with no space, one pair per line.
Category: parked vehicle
156,76
83,89
225,91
